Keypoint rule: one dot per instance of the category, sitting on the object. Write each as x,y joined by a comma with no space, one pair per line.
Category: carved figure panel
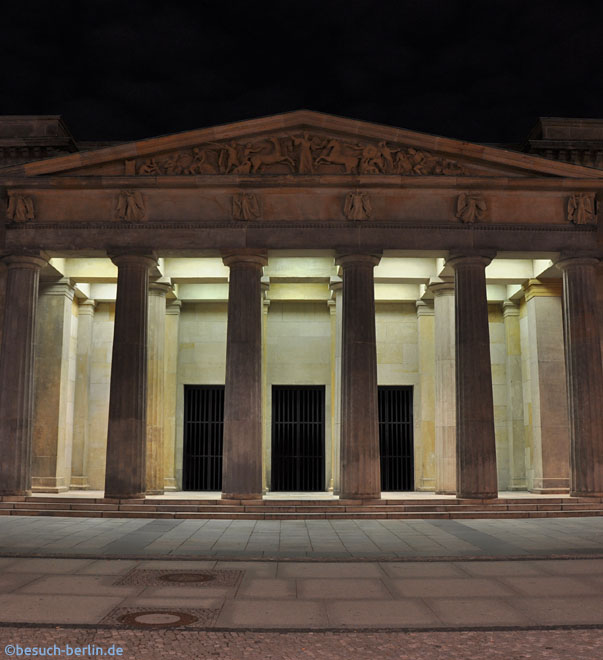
301,153
471,207
245,206
20,208
581,208
130,206
357,206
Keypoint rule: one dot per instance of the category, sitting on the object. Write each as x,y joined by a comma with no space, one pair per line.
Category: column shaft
360,459
16,373
426,480
242,454
476,448
584,376
172,323
81,421
126,440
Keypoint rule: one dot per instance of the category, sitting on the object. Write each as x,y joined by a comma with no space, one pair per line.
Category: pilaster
172,322
549,470
81,421
125,475
156,387
17,370
445,385
584,375
54,389
336,311
425,448
360,459
475,440
242,463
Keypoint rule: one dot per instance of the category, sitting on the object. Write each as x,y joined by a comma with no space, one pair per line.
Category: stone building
301,303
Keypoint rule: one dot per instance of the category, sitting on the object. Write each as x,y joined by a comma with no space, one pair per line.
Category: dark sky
478,70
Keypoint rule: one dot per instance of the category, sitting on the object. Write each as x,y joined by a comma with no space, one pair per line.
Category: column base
48,485
445,492
477,496
169,484
360,496
79,483
550,491
575,493
159,491
241,496
7,495
124,496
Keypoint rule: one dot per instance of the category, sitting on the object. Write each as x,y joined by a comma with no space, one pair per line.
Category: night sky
477,70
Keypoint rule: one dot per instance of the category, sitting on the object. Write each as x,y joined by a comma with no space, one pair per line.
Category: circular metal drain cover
159,619
187,577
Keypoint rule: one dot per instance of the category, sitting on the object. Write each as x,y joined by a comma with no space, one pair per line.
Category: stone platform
296,506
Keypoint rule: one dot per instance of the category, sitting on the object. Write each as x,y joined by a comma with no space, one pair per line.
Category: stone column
125,475
266,447
584,375
445,386
79,457
155,387
172,322
425,448
515,426
2,297
53,416
600,301
242,462
360,460
549,471
476,447
16,372
335,309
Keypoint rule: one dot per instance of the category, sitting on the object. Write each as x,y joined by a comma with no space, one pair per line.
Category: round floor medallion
159,619
187,577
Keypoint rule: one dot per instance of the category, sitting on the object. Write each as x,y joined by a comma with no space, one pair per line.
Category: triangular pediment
301,143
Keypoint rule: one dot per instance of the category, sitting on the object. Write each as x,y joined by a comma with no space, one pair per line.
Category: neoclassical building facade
301,303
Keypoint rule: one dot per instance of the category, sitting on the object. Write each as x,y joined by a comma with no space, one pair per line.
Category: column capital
348,258
535,288
567,261
173,307
160,289
86,306
510,308
442,286
257,258
425,308
124,258
470,258
26,259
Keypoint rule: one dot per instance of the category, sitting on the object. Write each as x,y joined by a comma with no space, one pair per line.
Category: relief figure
20,208
581,209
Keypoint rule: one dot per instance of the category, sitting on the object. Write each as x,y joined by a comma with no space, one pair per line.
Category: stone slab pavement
338,540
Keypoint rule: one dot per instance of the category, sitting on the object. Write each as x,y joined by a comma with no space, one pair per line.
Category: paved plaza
297,589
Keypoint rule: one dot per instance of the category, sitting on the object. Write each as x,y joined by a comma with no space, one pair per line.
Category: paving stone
272,614
562,611
421,569
551,586
47,565
108,567
267,588
329,570
496,568
384,613
81,585
339,588
443,587
478,612
53,608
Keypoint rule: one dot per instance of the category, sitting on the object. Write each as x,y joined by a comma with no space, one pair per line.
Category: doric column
125,475
16,372
445,386
549,442
155,387
476,448
427,384
172,323
2,297
360,467
54,388
584,375
515,422
242,453
79,457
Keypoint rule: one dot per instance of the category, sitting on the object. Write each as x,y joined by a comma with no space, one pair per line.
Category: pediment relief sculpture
471,207
581,209
301,153
130,206
20,208
245,206
357,206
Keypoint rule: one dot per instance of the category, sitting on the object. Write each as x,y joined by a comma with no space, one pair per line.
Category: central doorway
203,432
396,438
298,438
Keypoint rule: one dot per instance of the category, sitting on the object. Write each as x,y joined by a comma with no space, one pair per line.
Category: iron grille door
298,438
396,438
203,428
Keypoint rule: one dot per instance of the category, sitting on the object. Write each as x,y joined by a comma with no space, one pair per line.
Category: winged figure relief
20,208
357,206
470,207
130,206
581,208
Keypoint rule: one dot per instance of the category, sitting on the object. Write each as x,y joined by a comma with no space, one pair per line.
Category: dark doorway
298,438
203,428
396,438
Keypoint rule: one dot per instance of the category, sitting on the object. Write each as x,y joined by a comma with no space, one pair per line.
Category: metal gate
203,428
298,438
396,438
